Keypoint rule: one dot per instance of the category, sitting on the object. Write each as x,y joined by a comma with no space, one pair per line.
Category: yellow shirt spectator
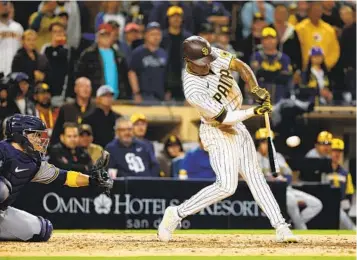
41,21
323,36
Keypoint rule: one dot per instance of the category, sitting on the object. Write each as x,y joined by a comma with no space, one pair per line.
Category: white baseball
293,141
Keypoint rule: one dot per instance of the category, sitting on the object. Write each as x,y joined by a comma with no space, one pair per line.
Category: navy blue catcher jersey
134,160
20,168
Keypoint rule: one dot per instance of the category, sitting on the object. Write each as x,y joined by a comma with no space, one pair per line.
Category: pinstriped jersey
211,93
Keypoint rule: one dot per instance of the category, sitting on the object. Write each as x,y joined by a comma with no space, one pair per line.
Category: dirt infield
104,244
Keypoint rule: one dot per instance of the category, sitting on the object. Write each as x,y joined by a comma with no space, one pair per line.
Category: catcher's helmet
198,51
18,127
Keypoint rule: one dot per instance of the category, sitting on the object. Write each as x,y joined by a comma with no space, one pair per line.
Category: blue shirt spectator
210,12
129,156
272,67
110,70
147,68
158,14
197,165
248,11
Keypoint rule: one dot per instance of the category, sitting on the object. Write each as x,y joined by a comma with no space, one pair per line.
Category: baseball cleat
284,234
168,224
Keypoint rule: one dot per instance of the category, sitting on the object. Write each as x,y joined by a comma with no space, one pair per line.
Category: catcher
21,162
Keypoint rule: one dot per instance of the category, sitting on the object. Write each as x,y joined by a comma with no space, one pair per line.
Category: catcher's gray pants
17,224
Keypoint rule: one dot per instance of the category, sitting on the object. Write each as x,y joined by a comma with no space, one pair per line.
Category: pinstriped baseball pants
231,154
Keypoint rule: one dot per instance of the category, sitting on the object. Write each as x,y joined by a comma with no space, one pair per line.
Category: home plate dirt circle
106,244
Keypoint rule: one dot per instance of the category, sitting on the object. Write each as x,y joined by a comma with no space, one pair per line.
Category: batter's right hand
266,107
261,95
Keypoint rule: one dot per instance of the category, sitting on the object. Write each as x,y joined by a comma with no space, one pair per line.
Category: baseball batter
210,87
21,163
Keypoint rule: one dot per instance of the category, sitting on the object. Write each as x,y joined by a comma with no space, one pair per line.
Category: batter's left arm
261,94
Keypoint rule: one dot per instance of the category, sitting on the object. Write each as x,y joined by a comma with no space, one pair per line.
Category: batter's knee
5,189
226,190
317,205
46,231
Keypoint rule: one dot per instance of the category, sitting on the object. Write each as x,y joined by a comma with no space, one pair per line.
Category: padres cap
268,32
174,10
85,129
224,30
136,117
41,88
262,134
258,16
198,51
173,140
316,51
152,26
337,144
324,137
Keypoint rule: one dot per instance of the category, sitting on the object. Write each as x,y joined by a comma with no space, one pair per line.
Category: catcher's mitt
99,176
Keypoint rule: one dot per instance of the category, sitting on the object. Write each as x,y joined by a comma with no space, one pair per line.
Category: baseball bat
273,161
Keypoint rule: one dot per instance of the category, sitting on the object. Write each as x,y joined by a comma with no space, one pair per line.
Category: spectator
132,34
57,56
331,15
172,40
139,11
86,142
41,21
111,12
159,13
29,61
69,14
172,149
207,31
76,111
348,55
315,80
67,155
148,67
301,13
249,11
103,65
102,119
253,42
19,98
10,35
196,164
115,37
128,155
7,106
44,108
140,126
342,179
287,37
322,147
294,197
272,67
313,32
212,12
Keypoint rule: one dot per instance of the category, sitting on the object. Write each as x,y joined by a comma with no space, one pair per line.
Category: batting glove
266,107
261,95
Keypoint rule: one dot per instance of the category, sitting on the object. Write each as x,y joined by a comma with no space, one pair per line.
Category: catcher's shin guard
46,231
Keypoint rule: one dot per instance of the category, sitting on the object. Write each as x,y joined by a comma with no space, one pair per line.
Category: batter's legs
222,160
257,184
20,225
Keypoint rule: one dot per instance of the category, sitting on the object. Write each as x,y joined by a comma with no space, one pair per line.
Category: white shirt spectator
10,41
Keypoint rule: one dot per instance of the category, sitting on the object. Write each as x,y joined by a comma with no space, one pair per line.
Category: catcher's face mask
38,139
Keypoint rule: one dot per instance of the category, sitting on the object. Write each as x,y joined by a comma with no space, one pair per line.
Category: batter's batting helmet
198,51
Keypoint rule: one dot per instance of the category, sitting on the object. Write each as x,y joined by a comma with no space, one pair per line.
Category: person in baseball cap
102,120
86,142
140,126
342,179
322,146
207,32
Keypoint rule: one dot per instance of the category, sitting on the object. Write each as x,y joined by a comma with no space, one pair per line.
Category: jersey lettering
226,84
